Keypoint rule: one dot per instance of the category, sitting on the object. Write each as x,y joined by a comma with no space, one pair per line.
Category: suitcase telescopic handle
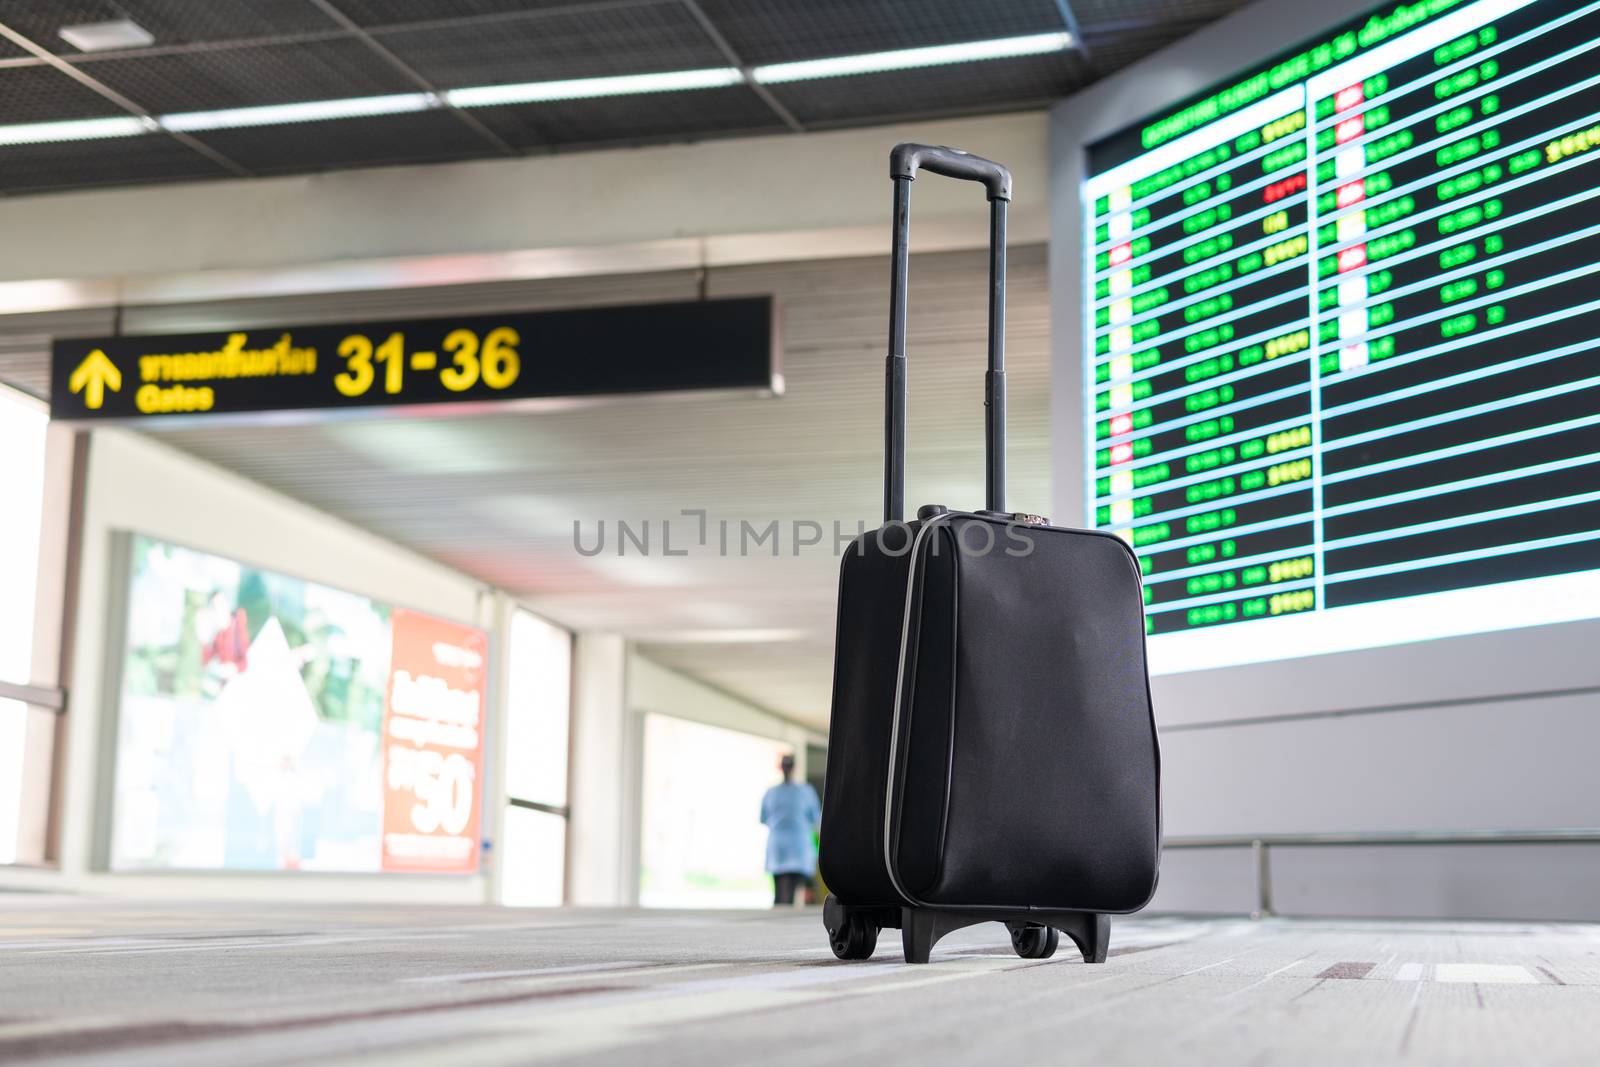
904,163
907,159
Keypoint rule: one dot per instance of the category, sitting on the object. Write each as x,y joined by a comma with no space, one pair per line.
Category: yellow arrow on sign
92,376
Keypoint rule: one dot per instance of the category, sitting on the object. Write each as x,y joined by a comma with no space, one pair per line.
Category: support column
599,783
54,617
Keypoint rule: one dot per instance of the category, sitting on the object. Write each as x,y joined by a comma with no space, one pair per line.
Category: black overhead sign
652,348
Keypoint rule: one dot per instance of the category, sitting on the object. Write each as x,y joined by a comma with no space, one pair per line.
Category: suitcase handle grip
906,159
903,164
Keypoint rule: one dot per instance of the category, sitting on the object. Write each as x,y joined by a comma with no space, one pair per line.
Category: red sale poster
433,745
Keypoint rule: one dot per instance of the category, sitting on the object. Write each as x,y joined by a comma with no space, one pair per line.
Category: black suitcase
992,753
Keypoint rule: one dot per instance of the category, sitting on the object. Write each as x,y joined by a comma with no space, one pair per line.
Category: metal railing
1260,846
38,696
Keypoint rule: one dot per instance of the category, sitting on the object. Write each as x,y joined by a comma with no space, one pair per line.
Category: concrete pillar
599,835
38,832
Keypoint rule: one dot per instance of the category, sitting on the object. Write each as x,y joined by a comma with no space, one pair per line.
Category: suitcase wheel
1035,942
855,939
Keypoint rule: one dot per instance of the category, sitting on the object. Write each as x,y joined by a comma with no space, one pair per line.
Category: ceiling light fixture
587,88
523,93
110,36
309,111
75,130
909,58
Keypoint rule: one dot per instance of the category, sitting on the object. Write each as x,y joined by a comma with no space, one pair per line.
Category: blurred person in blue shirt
790,811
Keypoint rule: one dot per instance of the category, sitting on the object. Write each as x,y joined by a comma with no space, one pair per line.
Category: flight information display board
1342,317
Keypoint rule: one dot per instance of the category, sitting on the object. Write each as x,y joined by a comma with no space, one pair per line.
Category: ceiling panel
212,55
774,31
566,44
624,119
25,344
258,74
1109,14
169,21
368,142
373,13
40,21
40,94
1033,81
89,164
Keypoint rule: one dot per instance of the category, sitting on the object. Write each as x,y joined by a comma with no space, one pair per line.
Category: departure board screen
1343,338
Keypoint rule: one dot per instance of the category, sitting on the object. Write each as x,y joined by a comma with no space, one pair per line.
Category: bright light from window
701,842
22,430
539,699
534,854
533,846
22,433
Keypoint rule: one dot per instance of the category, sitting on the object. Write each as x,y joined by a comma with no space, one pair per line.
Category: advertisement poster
269,723
433,745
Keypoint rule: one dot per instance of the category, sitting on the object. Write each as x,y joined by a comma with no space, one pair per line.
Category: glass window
535,850
701,842
22,426
22,432
539,710
13,723
539,699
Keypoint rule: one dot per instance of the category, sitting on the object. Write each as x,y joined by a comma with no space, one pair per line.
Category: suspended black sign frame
527,358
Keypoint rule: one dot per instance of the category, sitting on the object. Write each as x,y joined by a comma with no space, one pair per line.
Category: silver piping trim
894,722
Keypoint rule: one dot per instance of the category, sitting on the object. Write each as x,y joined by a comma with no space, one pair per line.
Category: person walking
790,811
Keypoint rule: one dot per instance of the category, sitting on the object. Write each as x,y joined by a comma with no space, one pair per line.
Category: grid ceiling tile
1181,14
568,44
370,13
480,42
774,31
623,119
1008,84
256,74
85,164
42,94
425,137
168,21
1112,52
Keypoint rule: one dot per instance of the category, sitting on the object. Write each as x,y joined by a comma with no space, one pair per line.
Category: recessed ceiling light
125,34
309,111
585,88
107,36
908,58
75,130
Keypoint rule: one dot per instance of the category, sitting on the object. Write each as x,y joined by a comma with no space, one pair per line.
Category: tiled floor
85,980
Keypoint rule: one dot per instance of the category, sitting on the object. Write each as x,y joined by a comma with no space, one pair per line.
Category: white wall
652,687
138,484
